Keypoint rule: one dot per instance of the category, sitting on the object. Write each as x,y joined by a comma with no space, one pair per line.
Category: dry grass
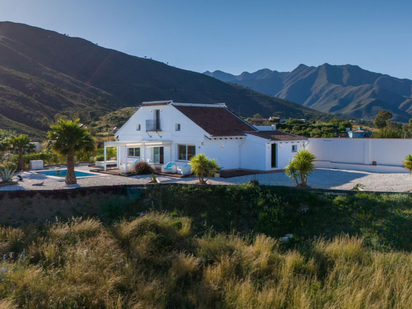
155,262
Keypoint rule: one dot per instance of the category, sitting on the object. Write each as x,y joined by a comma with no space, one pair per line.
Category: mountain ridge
44,74
343,90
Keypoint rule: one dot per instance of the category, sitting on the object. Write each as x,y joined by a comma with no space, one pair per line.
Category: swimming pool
62,173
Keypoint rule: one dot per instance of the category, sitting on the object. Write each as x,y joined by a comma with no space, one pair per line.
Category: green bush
48,158
111,152
99,158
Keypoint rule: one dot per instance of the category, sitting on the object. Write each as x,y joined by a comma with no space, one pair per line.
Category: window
294,148
177,127
185,152
138,127
133,152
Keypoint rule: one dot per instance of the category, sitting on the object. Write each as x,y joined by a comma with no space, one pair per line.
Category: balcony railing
153,125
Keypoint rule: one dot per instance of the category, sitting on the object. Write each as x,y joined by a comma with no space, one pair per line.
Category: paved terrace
322,178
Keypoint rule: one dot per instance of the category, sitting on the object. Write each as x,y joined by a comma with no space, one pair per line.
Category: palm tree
301,167
67,138
4,145
21,145
203,167
408,163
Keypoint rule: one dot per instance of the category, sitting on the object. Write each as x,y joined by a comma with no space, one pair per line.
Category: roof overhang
212,137
132,144
274,140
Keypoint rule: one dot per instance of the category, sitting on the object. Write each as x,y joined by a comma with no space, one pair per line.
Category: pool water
62,173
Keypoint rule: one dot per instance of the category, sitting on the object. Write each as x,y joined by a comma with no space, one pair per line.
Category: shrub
99,158
143,168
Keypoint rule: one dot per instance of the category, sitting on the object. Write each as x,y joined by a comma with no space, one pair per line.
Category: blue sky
236,36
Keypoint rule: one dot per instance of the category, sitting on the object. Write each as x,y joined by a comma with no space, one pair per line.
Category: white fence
361,153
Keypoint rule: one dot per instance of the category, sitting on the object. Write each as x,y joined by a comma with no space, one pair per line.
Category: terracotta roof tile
217,121
277,136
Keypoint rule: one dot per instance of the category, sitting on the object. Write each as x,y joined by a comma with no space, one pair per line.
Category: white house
163,131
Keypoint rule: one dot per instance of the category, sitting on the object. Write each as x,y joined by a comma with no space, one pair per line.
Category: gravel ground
321,178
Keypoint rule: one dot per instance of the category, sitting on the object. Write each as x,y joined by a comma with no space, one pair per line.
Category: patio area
322,178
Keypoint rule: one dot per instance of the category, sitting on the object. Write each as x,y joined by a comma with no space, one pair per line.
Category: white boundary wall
331,152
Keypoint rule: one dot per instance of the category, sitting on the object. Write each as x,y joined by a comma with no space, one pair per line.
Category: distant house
359,133
163,131
274,119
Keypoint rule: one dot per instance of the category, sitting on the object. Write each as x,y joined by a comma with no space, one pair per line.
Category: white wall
361,150
253,153
225,151
284,154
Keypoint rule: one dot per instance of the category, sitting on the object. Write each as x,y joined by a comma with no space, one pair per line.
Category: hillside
44,73
339,89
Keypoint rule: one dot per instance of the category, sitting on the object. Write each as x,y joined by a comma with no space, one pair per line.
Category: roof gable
126,123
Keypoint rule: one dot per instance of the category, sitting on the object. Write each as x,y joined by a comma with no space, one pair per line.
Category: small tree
68,137
382,118
203,167
21,145
301,167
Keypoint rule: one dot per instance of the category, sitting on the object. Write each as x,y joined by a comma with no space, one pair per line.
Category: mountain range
44,74
343,90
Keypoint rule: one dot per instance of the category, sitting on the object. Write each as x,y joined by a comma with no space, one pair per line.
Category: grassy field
216,247
156,262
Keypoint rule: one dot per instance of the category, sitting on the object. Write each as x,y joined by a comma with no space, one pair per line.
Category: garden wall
20,208
360,151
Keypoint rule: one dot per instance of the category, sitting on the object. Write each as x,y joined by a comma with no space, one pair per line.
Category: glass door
158,155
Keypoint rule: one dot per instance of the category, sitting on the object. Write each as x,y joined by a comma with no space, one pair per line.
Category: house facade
164,131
